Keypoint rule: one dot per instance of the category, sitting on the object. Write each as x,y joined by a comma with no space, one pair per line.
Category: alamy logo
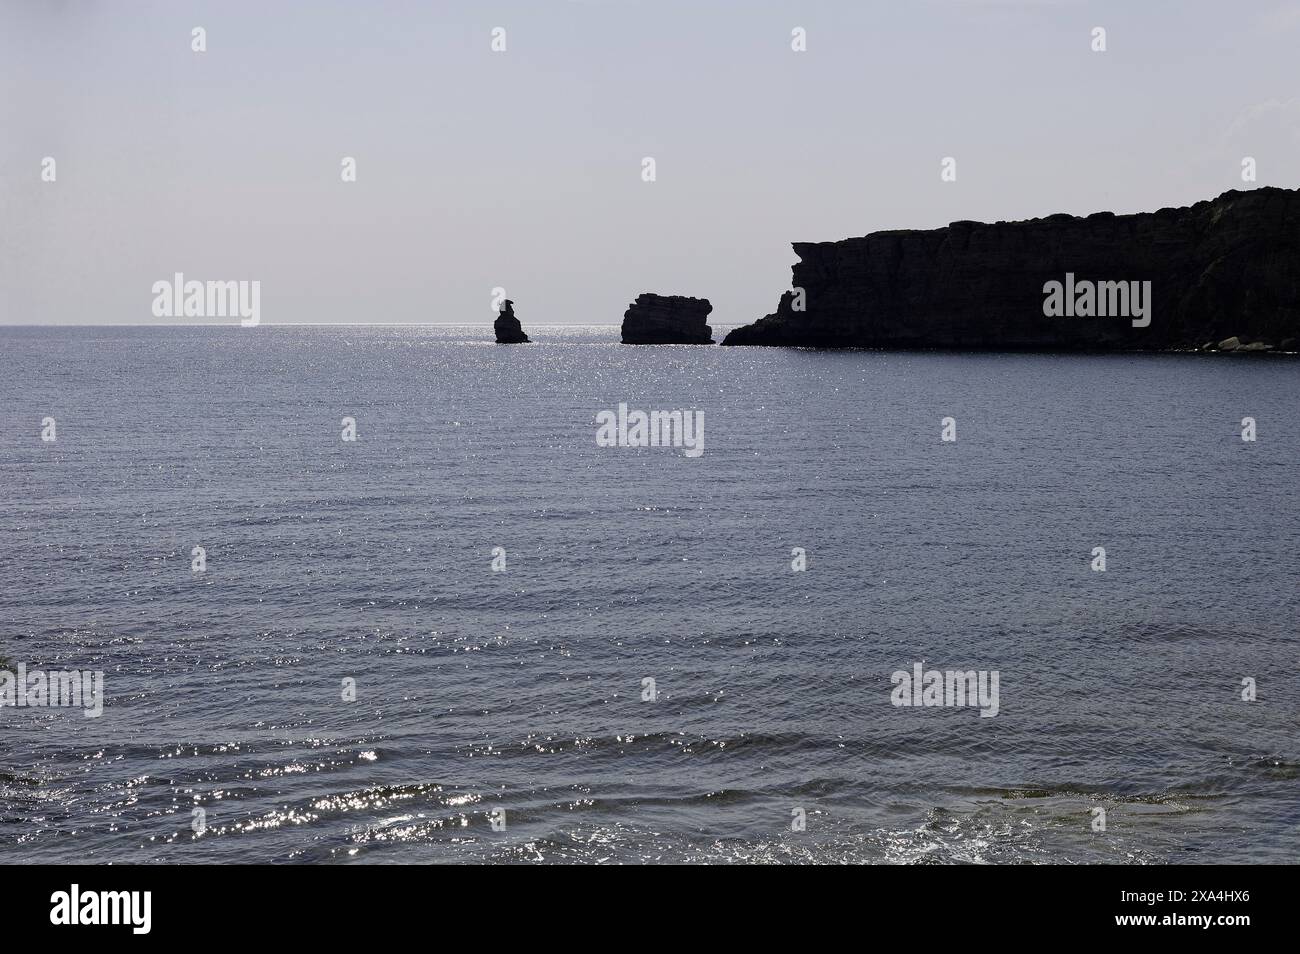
193,299
624,428
103,907
1087,299
922,687
71,689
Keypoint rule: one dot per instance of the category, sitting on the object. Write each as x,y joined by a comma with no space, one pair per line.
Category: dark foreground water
522,690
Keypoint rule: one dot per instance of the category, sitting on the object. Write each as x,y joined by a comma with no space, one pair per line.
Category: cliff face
1229,267
667,319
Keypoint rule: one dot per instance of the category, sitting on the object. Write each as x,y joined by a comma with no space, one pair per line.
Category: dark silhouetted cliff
1219,270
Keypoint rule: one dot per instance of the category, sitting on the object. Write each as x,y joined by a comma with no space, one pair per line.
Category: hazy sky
523,168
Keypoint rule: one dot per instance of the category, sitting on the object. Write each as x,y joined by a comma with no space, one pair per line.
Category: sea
474,633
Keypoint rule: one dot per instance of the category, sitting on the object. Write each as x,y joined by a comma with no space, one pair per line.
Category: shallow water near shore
522,690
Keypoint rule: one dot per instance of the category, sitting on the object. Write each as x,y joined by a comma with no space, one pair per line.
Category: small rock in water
667,319
507,326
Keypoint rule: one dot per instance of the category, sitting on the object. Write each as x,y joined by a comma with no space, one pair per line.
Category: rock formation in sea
507,326
667,319
1223,275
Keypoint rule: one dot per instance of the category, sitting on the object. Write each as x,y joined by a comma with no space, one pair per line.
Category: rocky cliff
667,319
507,326
1226,270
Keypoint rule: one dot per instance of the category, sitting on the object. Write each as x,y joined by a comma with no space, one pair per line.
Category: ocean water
479,691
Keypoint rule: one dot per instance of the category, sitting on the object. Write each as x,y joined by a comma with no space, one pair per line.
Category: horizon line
299,324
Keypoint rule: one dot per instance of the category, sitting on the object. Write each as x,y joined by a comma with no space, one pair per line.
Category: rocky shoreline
1220,275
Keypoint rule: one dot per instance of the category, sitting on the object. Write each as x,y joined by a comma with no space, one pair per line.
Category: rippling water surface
522,690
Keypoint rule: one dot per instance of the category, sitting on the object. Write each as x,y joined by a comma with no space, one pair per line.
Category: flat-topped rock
667,319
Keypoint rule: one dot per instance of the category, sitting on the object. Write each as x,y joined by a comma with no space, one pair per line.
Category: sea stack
667,319
1222,270
507,326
